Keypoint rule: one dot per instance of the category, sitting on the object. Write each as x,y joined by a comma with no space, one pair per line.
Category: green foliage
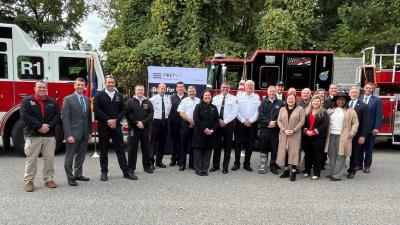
48,21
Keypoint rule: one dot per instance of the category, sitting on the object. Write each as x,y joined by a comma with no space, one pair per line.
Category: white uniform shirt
230,107
248,107
156,100
187,106
279,96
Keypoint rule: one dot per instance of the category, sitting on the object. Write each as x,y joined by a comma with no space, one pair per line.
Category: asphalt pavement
169,196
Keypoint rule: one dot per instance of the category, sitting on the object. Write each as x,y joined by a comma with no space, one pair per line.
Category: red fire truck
22,63
298,69
384,71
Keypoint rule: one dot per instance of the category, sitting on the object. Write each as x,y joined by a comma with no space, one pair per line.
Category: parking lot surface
169,196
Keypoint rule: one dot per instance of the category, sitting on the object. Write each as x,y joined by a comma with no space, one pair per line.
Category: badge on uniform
146,106
277,107
33,103
131,133
117,98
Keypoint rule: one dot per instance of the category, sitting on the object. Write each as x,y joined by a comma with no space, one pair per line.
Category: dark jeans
175,136
201,159
158,135
365,151
105,133
186,135
313,149
224,139
269,143
134,137
244,137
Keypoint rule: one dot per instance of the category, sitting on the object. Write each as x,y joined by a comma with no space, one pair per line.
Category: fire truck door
298,72
6,75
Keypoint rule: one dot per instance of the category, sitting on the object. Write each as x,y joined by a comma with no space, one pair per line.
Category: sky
92,30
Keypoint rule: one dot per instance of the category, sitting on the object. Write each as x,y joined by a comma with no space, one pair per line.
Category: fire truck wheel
17,136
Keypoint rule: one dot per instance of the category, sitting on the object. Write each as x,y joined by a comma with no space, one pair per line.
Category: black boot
293,176
285,174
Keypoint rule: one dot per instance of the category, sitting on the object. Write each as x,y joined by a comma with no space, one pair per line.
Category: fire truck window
3,47
71,68
232,77
269,75
30,67
3,66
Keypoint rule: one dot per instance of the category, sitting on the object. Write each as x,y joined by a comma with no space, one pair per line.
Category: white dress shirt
110,94
230,107
248,107
156,100
279,96
336,121
187,106
368,98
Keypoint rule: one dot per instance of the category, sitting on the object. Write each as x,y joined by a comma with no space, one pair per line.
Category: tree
48,21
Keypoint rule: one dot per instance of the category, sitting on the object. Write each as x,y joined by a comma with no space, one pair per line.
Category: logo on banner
157,75
166,76
324,75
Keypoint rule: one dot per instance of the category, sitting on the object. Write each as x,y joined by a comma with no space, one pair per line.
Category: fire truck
383,70
22,63
298,69
315,69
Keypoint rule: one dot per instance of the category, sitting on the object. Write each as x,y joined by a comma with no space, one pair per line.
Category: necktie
366,99
221,112
162,108
351,104
83,105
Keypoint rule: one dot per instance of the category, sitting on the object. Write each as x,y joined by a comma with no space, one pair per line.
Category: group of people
339,125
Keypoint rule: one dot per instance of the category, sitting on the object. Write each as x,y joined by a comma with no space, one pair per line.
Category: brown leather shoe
50,184
367,170
29,186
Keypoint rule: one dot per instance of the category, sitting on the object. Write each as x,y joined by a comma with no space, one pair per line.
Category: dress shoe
29,187
225,171
214,169
329,176
367,170
103,177
72,182
285,174
274,171
248,168
235,167
82,178
350,176
293,176
181,168
152,167
148,170
358,168
130,176
161,165
50,184
172,163
335,179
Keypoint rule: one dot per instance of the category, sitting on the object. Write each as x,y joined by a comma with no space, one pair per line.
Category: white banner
171,75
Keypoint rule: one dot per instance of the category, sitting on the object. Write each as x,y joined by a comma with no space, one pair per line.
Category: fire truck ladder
368,69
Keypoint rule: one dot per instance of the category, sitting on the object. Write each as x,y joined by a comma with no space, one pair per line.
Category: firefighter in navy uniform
139,114
109,109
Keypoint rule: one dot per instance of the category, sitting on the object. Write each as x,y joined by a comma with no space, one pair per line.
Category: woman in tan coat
343,126
290,121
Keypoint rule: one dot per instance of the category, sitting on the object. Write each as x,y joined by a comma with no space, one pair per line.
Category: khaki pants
33,147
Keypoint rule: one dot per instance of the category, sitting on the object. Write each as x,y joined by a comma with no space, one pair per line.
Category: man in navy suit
375,120
359,139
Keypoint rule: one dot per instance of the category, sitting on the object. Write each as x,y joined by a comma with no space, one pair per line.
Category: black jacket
321,124
268,111
31,115
363,119
174,116
204,116
139,112
105,108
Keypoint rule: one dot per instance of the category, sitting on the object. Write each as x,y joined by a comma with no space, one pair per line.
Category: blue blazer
374,111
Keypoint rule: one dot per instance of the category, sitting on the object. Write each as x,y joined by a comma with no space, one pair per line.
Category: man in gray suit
76,118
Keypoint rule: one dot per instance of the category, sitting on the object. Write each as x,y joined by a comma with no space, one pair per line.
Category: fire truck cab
298,69
383,70
22,63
